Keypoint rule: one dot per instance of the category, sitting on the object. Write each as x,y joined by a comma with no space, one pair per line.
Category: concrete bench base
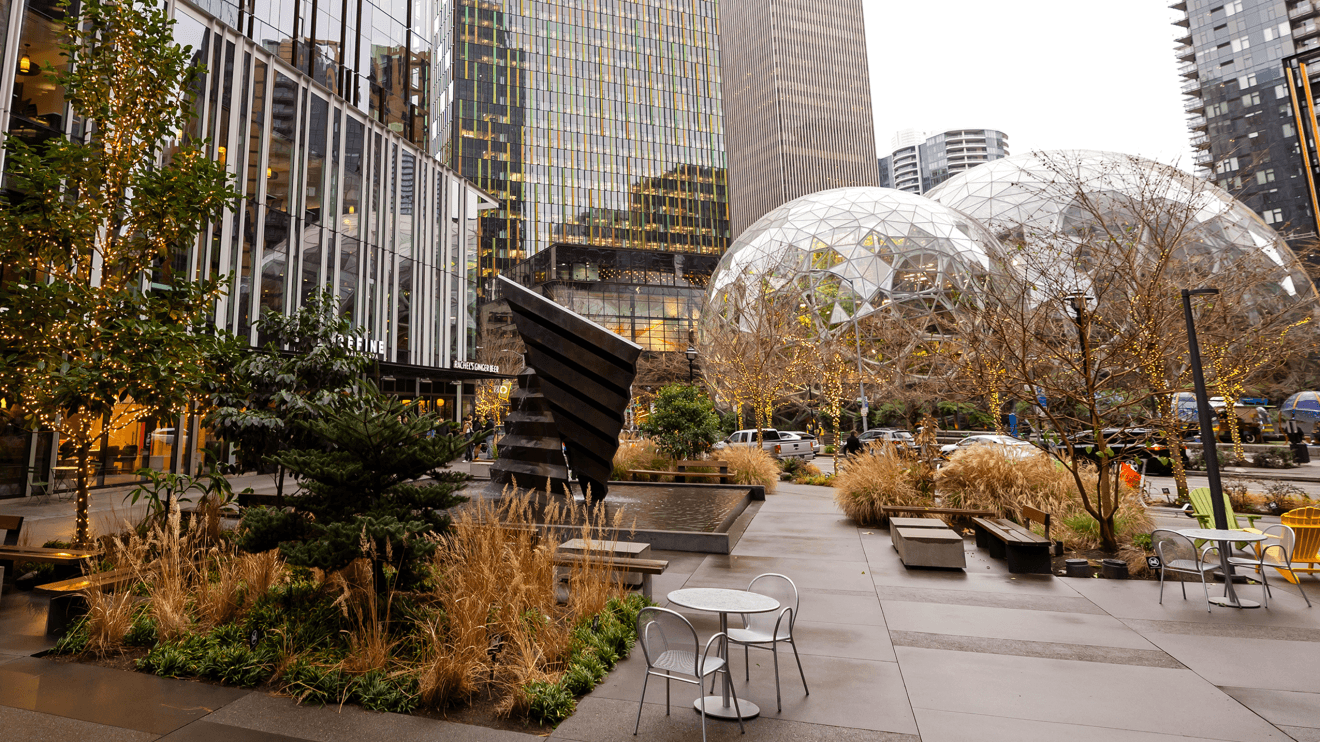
930,547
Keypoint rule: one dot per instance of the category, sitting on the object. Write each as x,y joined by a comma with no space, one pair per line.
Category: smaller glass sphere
848,253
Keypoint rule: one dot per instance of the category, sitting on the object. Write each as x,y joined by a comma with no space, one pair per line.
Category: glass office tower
594,122
1241,117
320,109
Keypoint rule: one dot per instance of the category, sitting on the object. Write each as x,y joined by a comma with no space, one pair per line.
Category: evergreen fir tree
360,497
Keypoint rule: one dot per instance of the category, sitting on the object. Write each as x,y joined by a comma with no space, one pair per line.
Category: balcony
1197,123
1305,30
1184,21
1189,69
1203,157
1308,45
1191,87
1200,141
1184,40
1185,53
1180,5
1194,105
1304,9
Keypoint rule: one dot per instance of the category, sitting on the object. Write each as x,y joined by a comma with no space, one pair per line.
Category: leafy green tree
684,424
307,362
90,316
360,497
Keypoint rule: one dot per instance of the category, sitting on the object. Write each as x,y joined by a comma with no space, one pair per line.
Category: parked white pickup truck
780,447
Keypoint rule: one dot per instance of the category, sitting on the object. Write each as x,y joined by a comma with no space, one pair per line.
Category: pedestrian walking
852,445
1297,440
467,435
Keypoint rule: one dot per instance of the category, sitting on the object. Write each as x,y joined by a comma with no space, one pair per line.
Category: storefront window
37,108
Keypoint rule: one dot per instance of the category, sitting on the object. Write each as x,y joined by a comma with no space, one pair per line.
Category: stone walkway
890,654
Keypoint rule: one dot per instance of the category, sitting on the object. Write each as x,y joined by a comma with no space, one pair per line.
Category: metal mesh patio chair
672,651
1178,554
768,630
1277,554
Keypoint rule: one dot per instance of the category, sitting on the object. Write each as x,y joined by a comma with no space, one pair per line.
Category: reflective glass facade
319,111
592,121
651,297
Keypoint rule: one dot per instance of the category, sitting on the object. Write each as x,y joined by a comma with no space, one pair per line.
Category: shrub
1280,497
361,497
873,479
752,465
684,424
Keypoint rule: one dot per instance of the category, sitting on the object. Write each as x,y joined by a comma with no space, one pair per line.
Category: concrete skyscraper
916,166
797,102
1241,118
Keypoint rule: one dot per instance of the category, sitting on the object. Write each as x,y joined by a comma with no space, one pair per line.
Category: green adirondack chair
1203,509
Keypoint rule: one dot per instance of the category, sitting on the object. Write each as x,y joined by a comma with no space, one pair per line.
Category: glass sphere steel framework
1036,197
852,253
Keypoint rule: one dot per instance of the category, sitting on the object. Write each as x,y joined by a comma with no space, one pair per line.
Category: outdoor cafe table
1226,539
724,602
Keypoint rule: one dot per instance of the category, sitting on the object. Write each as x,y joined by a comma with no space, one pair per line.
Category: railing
1302,10
1193,105
1197,122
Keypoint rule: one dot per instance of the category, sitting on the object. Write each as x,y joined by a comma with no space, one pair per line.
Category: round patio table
724,602
1226,539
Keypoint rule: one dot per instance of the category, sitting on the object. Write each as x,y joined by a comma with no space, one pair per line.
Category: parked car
902,440
1012,447
801,435
1136,446
778,446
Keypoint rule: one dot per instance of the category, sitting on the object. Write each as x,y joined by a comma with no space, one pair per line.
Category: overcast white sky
1049,73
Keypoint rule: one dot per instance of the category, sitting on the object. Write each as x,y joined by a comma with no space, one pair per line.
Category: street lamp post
691,354
1210,452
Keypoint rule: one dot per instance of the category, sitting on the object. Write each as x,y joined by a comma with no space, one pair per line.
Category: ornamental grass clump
752,465
638,455
876,478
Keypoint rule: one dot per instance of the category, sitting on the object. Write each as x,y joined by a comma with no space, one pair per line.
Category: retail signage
363,345
470,366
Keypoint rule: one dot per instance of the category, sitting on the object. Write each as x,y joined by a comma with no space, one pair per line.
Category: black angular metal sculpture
531,455
585,372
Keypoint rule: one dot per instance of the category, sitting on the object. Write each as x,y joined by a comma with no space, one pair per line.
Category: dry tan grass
109,617
497,585
983,477
873,479
639,455
752,465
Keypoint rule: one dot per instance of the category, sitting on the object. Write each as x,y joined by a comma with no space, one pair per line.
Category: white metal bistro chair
1282,550
1178,554
672,651
769,630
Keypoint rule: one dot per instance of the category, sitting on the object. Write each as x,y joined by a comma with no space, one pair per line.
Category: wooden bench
20,554
647,568
683,475
1030,515
891,510
1026,552
11,525
68,602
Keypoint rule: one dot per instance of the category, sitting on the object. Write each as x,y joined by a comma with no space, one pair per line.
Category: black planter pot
1077,568
1114,569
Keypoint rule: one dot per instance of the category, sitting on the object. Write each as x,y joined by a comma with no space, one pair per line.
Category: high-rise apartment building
917,166
594,122
1241,117
320,111
797,102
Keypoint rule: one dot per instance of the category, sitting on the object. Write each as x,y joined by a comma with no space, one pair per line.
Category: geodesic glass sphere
852,253
1036,197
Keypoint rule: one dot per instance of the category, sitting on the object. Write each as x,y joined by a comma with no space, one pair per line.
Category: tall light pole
1211,454
1203,411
